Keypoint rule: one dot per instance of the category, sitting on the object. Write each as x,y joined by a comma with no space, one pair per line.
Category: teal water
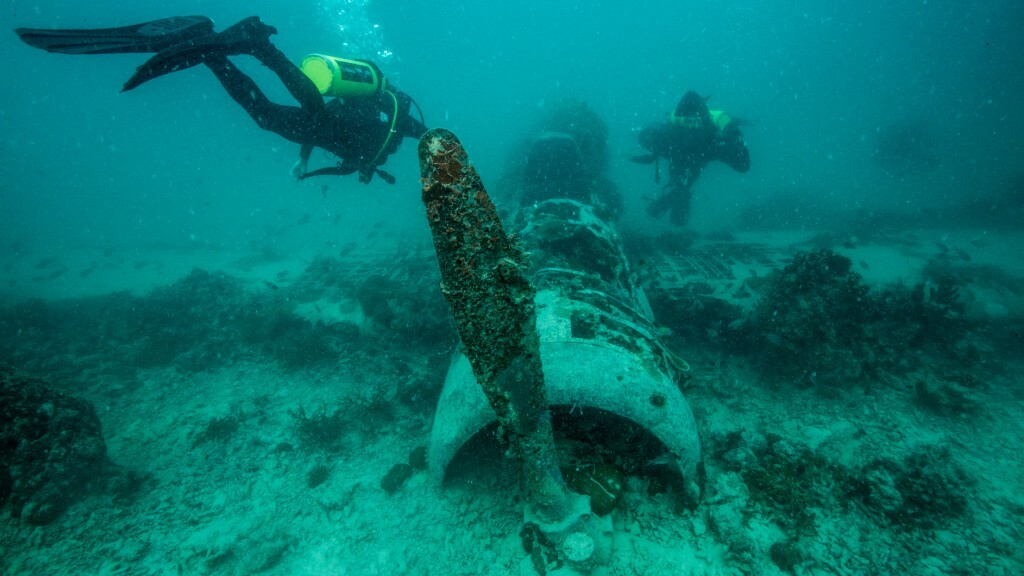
889,133
177,160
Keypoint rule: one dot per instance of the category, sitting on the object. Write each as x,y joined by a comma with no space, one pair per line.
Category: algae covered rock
396,477
51,448
786,555
928,489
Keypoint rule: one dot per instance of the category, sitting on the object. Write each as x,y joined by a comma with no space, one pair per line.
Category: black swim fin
146,37
246,37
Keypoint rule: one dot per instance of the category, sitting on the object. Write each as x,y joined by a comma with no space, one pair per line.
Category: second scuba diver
362,126
690,140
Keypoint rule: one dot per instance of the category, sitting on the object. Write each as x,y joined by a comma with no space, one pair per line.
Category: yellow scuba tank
335,76
720,119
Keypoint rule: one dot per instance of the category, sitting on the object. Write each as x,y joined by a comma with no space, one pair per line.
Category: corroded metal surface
483,277
482,269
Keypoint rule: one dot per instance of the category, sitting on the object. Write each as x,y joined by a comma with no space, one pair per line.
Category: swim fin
146,37
246,37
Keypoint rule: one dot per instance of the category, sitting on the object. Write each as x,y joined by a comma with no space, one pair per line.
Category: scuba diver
692,137
362,125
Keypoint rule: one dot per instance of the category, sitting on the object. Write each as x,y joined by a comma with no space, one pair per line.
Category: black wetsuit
357,130
362,132
689,150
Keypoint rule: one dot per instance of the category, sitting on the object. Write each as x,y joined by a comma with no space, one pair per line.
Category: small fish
348,248
271,285
963,255
282,274
56,273
46,263
303,220
85,272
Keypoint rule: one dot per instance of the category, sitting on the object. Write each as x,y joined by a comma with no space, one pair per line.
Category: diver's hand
300,168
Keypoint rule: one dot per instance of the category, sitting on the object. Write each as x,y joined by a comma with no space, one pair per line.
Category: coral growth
218,429
787,481
189,322
317,475
406,310
206,321
811,324
322,429
926,490
818,325
297,343
794,486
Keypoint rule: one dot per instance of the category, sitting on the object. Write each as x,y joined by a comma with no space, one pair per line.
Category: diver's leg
680,214
245,37
298,84
658,207
290,122
248,36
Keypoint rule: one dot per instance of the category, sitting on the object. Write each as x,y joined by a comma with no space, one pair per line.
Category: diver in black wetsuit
690,140
362,129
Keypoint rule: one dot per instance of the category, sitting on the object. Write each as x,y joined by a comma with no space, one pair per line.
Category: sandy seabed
243,502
